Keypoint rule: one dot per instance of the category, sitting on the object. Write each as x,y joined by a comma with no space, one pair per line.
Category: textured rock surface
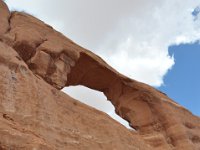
36,62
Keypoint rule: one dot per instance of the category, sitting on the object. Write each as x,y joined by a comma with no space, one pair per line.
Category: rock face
36,62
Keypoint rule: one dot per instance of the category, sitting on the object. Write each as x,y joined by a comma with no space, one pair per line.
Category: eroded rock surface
36,62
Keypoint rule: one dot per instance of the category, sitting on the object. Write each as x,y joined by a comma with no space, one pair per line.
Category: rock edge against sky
37,61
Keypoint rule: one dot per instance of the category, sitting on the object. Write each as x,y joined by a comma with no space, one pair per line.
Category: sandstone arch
160,122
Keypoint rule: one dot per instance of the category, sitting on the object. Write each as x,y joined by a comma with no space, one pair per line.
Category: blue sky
182,82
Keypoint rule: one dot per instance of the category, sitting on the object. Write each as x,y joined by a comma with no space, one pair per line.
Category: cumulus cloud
133,36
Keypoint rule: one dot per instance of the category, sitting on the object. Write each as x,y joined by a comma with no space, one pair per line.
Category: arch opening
95,99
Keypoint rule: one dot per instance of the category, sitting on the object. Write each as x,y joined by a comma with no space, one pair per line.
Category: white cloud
131,35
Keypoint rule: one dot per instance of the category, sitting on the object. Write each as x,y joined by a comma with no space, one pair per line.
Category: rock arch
60,62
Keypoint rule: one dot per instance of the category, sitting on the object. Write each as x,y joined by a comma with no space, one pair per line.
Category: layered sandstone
36,62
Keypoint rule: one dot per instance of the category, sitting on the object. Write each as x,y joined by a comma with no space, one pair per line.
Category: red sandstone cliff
36,62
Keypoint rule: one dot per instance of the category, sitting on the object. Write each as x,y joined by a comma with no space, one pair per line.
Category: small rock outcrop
36,62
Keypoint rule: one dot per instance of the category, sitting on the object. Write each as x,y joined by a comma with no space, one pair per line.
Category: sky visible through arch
152,41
